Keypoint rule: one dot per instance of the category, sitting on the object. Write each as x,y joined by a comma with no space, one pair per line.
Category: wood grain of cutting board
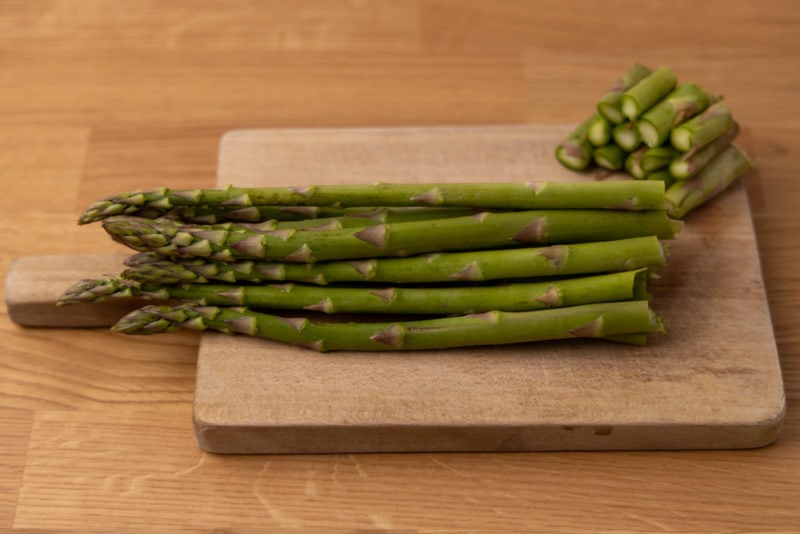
713,382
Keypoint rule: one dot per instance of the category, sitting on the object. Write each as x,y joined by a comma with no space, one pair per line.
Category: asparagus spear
489,328
529,195
228,242
449,300
647,92
610,104
575,151
599,132
610,157
685,195
626,135
473,266
214,214
684,102
297,216
361,219
700,130
689,163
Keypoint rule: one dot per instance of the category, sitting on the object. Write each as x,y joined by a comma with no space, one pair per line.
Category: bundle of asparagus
654,128
482,263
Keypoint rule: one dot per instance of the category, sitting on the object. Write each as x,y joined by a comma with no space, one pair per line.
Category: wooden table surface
99,97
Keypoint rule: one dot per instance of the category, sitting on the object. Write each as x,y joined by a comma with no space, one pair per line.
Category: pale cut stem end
572,161
630,108
681,139
649,133
612,113
680,170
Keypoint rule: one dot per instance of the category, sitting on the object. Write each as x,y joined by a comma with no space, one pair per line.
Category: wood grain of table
101,97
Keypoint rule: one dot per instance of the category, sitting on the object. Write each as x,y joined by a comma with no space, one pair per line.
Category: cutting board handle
34,284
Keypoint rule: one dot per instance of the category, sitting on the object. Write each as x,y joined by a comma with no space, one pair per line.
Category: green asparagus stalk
685,195
657,158
218,214
610,105
633,163
610,157
298,216
646,93
599,132
448,300
626,135
684,102
691,162
575,151
528,195
489,328
700,130
473,266
228,242
361,219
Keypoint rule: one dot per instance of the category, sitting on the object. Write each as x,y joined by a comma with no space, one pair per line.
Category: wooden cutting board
713,382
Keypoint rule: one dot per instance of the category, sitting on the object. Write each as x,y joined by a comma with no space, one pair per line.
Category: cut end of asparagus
680,169
574,156
610,157
611,112
599,132
715,177
627,138
681,139
633,164
629,107
649,133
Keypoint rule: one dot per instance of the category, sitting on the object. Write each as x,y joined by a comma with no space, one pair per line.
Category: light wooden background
98,97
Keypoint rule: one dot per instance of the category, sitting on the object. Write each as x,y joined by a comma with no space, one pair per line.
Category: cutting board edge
391,438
